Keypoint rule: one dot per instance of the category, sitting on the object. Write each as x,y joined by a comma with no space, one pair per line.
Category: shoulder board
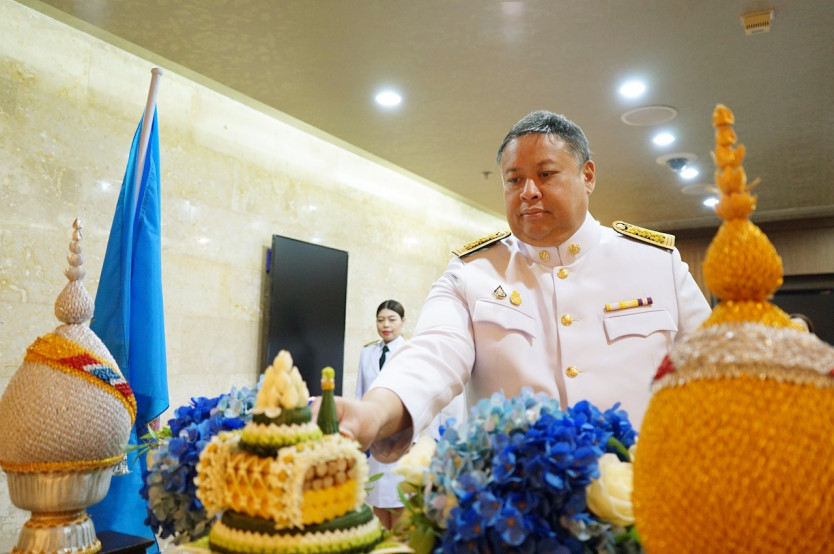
370,343
482,242
663,240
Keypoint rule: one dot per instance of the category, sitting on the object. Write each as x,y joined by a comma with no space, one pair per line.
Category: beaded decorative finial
741,266
328,376
74,304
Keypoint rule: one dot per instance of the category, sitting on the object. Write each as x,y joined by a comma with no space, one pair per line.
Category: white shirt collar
579,244
393,345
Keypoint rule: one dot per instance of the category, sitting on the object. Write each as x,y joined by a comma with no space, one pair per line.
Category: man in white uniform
562,305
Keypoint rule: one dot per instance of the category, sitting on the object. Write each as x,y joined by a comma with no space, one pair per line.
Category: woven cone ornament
735,450
66,415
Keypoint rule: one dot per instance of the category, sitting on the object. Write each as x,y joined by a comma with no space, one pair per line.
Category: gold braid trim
91,548
95,546
477,244
47,520
52,348
663,240
57,467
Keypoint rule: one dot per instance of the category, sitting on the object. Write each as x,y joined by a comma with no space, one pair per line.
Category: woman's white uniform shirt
384,493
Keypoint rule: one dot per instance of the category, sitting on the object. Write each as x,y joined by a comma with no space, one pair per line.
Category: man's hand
379,414
358,420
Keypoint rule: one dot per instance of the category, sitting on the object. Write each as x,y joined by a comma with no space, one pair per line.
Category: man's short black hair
549,123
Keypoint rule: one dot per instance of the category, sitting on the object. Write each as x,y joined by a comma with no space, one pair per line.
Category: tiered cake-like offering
735,450
282,484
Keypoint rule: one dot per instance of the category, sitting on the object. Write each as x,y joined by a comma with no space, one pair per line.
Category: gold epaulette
370,343
482,242
663,240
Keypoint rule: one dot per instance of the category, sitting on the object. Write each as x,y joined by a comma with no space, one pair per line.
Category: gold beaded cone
735,449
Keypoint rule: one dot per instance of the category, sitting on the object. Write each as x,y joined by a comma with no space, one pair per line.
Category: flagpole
156,73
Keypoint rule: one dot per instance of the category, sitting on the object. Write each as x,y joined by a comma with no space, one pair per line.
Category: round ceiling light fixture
632,89
649,115
688,172
663,139
388,98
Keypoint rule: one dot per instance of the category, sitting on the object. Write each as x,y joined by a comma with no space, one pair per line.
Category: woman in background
390,316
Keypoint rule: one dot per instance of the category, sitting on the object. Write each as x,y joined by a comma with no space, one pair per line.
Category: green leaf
149,441
422,540
619,448
629,542
411,507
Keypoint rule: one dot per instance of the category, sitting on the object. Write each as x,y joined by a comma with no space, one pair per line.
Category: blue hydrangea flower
173,509
516,473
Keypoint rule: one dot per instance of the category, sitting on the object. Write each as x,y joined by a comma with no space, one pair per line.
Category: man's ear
589,176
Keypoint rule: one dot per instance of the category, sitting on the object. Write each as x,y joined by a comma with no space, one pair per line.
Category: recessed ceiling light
388,98
663,139
649,115
632,89
710,202
688,172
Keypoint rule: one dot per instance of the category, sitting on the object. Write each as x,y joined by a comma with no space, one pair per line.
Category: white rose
609,497
414,464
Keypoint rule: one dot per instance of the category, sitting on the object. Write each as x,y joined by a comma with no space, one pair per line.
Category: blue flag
129,320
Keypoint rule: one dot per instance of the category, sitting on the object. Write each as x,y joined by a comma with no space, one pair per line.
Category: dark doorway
812,295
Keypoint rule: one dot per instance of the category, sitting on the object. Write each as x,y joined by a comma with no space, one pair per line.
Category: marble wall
233,174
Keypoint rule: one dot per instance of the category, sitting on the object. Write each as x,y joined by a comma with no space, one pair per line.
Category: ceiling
469,69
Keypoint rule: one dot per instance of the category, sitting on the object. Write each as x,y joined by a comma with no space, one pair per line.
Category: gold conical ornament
735,449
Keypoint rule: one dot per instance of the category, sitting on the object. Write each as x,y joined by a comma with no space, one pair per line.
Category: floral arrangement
520,475
169,489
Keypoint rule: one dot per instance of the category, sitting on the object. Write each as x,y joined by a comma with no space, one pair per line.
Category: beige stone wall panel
233,174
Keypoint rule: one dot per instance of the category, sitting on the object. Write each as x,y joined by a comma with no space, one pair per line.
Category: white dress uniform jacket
556,336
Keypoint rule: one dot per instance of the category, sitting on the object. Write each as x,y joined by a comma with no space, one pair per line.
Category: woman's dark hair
392,305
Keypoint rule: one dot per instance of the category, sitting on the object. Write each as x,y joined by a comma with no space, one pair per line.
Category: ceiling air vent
757,22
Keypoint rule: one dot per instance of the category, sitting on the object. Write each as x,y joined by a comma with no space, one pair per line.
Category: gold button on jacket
562,273
567,319
571,371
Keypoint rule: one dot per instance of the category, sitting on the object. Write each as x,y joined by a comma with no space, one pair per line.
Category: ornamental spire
741,266
74,304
